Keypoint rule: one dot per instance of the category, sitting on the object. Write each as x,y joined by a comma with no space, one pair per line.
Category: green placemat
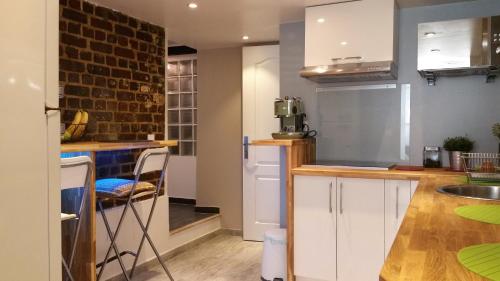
482,259
482,213
484,182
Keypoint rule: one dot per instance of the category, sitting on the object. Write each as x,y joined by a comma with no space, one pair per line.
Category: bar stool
75,173
128,191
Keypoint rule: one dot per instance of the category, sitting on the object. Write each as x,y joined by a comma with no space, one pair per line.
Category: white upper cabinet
315,228
356,31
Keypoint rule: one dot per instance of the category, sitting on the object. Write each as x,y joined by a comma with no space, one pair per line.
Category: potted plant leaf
496,132
455,147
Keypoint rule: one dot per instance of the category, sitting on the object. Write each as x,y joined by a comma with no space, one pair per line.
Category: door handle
330,197
353,58
50,108
245,147
341,199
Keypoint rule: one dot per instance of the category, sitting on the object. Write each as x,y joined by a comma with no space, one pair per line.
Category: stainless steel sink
472,191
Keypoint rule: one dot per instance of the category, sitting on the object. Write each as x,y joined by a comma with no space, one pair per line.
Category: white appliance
29,141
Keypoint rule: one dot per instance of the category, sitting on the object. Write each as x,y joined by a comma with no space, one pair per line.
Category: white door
360,232
397,199
29,142
261,165
315,236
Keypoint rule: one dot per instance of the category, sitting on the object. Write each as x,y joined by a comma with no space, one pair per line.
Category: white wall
219,134
456,106
181,177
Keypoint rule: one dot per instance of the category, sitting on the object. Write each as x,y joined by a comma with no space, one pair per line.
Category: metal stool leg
150,216
78,226
156,160
145,231
66,268
113,241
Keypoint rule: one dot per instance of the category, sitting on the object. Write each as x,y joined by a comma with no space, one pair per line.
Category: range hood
459,47
351,72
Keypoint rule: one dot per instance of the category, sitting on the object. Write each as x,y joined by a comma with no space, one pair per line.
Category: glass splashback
364,123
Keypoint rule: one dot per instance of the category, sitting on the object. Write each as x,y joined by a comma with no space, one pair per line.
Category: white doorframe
261,165
53,137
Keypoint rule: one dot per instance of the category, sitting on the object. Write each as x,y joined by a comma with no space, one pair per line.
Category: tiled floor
183,214
221,258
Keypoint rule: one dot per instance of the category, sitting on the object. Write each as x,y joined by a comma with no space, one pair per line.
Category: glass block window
182,105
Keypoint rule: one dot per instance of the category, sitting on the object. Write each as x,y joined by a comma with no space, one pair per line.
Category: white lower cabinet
345,227
360,229
397,198
315,228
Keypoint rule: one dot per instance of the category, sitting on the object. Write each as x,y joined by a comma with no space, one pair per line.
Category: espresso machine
290,111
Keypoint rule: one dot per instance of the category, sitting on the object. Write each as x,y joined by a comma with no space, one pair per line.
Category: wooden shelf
110,146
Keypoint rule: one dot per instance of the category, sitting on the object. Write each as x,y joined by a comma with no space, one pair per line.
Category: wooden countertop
273,142
312,170
432,234
109,146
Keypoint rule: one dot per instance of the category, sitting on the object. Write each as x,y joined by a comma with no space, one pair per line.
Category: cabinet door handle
353,58
397,202
341,195
330,197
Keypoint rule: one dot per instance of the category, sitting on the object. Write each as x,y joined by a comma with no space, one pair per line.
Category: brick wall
112,66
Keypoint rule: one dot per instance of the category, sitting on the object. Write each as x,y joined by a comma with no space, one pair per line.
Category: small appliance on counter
432,157
292,119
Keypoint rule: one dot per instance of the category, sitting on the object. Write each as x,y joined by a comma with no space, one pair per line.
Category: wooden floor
221,258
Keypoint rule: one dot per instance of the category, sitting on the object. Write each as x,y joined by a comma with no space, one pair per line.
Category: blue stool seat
120,188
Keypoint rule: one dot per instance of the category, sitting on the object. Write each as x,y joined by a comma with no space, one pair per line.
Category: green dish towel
482,259
482,213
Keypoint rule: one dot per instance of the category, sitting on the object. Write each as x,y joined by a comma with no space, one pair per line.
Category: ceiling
222,23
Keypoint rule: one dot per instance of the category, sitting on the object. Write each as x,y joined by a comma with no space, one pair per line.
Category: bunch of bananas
77,128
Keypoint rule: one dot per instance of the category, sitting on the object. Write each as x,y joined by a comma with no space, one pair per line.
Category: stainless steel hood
351,72
459,47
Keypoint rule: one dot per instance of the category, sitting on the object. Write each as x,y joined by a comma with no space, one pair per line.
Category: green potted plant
496,132
455,147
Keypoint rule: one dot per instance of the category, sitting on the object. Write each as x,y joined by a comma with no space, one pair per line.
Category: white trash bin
274,255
